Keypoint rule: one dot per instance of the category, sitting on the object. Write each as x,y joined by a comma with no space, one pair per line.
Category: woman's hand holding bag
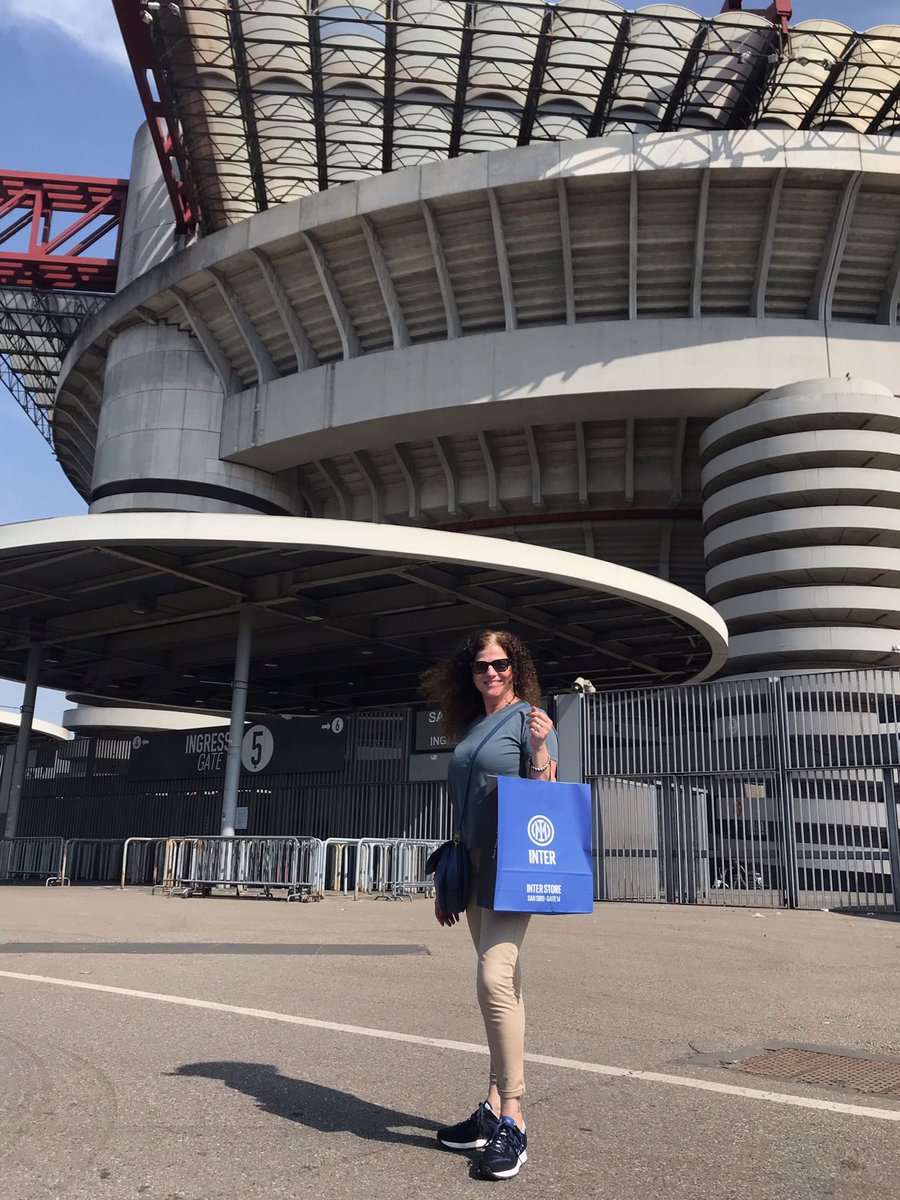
444,918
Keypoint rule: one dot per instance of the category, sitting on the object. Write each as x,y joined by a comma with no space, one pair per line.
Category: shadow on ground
324,1109
881,915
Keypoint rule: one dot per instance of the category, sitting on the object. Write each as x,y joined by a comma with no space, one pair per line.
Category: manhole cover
875,1076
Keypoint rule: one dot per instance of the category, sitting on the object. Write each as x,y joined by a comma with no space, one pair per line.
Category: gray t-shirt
505,753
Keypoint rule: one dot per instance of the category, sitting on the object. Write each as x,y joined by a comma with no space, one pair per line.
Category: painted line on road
568,1064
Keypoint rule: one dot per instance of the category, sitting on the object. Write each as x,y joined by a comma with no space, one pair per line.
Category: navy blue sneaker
473,1133
505,1152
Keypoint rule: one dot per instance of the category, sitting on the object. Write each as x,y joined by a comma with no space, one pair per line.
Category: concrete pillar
158,438
238,715
159,432
801,517
32,671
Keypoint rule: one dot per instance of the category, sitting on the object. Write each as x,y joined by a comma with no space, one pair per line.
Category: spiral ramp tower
801,514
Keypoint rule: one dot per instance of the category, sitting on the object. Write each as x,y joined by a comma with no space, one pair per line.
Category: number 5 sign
257,748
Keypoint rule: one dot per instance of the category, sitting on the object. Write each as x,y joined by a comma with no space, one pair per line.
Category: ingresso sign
276,747
429,733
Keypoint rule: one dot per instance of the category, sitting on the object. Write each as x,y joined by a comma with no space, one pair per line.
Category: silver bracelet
539,770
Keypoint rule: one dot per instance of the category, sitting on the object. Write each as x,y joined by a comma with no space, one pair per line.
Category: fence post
689,840
570,718
893,833
667,849
238,713
788,832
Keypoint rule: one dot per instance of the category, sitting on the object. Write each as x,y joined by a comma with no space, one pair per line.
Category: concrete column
20,762
158,437
238,715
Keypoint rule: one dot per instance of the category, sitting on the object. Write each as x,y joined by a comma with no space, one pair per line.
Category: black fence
82,789
778,792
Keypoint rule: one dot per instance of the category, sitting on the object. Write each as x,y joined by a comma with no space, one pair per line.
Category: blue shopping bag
537,852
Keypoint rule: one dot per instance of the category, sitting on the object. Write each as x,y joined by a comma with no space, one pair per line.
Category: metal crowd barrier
30,858
391,867
151,861
413,854
197,865
89,860
374,865
300,866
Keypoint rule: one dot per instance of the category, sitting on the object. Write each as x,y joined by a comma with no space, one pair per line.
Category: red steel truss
56,257
779,12
154,93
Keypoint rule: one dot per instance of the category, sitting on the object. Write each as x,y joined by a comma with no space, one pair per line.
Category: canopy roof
279,99
137,607
9,729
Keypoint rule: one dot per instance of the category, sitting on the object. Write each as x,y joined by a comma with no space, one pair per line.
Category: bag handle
487,737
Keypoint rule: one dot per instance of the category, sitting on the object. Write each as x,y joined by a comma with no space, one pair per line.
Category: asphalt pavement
240,1049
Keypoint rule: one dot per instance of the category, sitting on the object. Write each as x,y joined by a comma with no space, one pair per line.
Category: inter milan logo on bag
540,830
542,833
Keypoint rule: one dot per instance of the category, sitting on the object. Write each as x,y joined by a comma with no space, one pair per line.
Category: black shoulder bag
450,862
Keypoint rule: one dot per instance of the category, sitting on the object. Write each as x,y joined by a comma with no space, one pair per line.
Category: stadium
431,315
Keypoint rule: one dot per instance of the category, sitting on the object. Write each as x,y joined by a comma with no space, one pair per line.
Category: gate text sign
277,747
429,731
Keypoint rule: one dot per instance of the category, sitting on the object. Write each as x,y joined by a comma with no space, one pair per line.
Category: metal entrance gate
627,863
667,841
763,792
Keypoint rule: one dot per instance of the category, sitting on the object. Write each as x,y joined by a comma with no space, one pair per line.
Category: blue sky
64,73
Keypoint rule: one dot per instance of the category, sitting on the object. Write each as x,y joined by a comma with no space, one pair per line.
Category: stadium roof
256,102
275,100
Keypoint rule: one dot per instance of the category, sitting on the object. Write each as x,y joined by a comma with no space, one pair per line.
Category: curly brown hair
448,684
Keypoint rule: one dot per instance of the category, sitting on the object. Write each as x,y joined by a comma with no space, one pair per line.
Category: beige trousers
498,938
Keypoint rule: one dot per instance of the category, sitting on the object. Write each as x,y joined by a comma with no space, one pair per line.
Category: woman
489,695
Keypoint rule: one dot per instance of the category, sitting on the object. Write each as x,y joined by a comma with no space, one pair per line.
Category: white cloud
90,23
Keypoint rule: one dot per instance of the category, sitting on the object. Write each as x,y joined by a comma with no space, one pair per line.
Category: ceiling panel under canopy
345,614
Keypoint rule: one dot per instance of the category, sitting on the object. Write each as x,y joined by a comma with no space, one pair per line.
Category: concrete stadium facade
677,352
551,315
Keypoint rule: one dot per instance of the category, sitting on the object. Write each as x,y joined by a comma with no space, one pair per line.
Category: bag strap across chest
487,737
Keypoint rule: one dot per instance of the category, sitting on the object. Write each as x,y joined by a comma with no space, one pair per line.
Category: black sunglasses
500,665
